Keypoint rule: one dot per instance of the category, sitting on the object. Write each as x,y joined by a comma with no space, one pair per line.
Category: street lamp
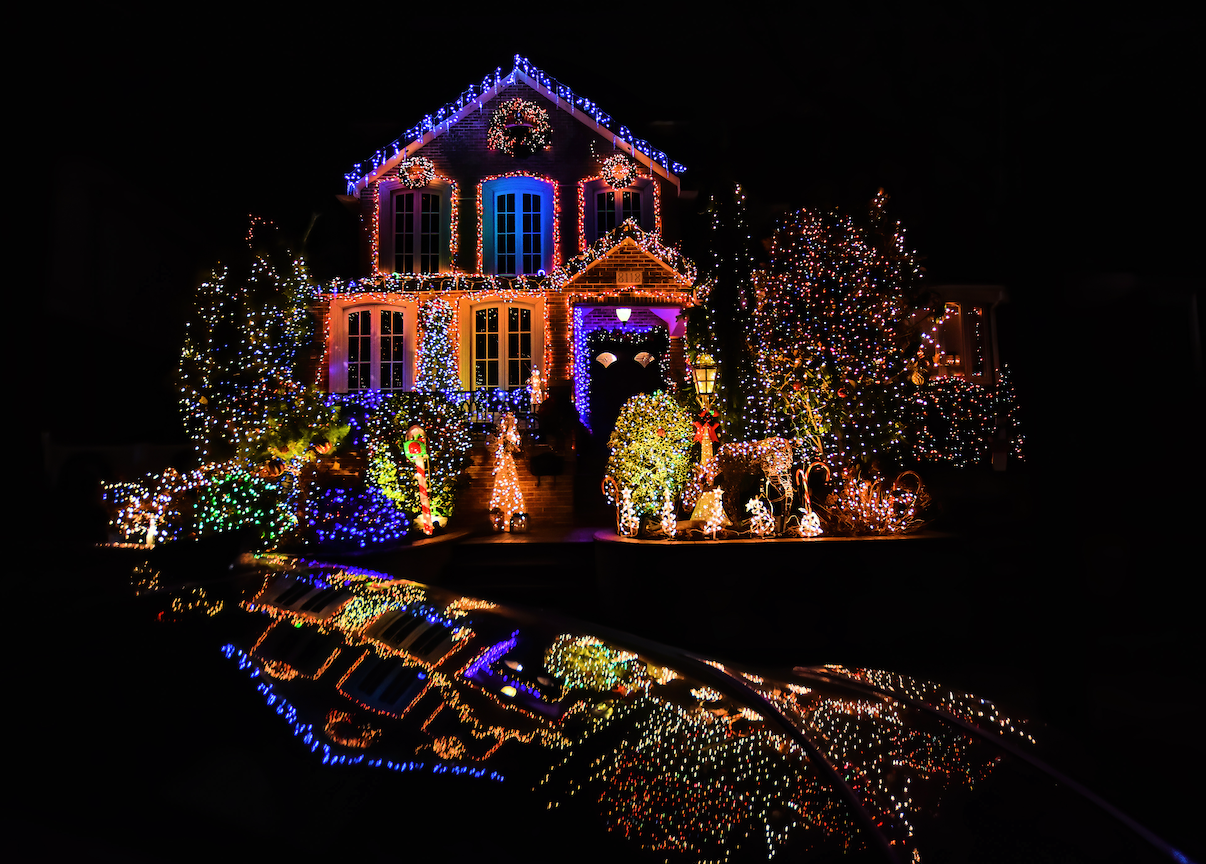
703,371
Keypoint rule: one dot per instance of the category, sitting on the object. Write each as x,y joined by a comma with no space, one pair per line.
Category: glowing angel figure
506,496
536,387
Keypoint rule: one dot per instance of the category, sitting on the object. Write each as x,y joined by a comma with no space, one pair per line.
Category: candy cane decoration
810,525
416,451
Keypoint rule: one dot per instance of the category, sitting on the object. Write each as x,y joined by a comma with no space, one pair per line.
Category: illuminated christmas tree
437,348
240,394
839,315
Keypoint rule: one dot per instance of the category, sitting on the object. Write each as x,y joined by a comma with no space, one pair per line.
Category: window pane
360,325
504,237
631,207
391,345
605,213
404,232
429,238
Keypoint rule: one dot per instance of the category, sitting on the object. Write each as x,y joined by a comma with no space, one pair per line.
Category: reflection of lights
671,762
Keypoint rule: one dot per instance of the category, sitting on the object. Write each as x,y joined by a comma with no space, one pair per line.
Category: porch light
623,313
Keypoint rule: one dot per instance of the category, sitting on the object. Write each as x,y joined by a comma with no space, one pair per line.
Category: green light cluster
650,450
448,445
584,661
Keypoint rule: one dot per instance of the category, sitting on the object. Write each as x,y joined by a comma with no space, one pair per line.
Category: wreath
519,128
619,171
416,173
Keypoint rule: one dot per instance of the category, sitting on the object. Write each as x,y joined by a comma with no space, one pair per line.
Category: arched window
517,226
372,347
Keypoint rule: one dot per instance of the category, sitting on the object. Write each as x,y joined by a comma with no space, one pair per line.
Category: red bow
707,423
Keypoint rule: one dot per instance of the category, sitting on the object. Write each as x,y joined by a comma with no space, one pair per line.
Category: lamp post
703,371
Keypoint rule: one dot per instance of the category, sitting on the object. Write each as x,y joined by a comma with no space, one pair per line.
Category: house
536,217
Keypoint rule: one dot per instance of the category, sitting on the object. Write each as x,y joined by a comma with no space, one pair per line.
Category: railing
483,406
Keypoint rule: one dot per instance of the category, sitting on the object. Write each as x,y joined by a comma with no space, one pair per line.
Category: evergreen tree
437,349
240,393
838,319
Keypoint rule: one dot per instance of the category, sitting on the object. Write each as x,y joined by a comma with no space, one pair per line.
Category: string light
476,95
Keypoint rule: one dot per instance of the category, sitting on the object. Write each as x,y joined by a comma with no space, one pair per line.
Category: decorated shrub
650,450
448,443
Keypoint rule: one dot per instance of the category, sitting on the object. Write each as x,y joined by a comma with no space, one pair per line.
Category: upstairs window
604,208
517,226
608,215
415,228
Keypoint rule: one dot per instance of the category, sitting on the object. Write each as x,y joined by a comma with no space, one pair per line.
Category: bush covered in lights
448,443
213,499
650,450
235,500
354,517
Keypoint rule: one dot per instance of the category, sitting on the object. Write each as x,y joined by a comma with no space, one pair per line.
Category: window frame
337,345
589,214
468,358
488,220
388,192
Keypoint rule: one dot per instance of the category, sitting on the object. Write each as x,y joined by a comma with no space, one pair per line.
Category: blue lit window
517,226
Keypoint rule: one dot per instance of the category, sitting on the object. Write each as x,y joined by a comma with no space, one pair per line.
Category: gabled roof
434,125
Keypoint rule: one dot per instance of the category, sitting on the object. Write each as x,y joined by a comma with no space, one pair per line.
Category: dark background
1041,150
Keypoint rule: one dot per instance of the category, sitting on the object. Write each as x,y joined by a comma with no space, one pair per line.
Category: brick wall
552,503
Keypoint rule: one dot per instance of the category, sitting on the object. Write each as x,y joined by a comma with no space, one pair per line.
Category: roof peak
432,125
